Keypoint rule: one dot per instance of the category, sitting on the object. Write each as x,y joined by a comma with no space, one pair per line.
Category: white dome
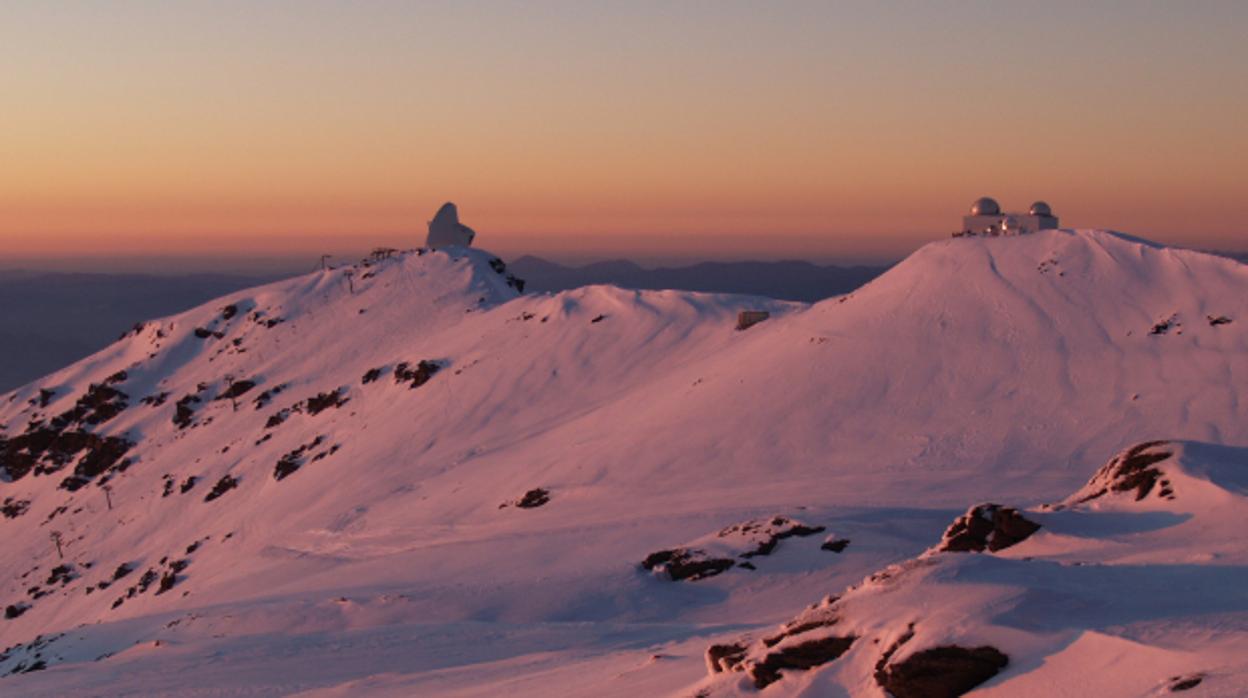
985,206
1041,209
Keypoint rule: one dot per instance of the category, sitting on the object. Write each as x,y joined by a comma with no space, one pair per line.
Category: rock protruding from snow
1136,471
942,624
734,545
942,671
445,230
810,641
990,527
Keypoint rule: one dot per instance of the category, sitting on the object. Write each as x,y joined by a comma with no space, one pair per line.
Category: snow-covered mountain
405,477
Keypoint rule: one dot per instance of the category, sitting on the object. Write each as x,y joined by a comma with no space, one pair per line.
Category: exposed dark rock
15,610
62,574
1164,326
762,534
276,419
103,455
1185,683
229,311
1218,320
1133,469
187,484
775,530
721,658
418,376
371,375
835,545
749,318
171,578
942,672
122,570
236,389
263,399
533,498
598,318
881,675
225,484
319,403
184,410
13,508
680,564
149,577
987,526
45,396
47,449
155,400
803,656
294,460
204,333
99,404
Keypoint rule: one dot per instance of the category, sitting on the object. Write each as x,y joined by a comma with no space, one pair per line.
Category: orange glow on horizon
801,131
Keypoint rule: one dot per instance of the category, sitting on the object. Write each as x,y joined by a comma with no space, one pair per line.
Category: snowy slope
375,519
1132,586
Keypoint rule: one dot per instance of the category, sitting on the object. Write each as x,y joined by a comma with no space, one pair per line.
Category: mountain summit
405,476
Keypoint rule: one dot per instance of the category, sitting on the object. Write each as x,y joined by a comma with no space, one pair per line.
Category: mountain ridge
792,280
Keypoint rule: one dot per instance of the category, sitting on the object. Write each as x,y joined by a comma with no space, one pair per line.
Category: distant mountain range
785,280
50,319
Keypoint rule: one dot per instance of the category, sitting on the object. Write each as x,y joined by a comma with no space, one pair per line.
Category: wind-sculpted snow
404,477
945,622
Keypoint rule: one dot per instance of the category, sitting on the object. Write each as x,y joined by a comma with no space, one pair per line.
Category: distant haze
49,320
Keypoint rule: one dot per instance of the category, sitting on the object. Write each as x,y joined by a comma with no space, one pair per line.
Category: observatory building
986,218
445,230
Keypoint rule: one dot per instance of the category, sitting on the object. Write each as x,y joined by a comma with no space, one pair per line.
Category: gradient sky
826,130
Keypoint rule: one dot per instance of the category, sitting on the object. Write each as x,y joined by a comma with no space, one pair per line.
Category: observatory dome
985,206
1040,209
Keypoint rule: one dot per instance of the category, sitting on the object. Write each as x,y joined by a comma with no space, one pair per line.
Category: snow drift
1098,581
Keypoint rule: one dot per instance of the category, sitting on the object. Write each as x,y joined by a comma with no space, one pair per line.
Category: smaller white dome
1041,209
985,206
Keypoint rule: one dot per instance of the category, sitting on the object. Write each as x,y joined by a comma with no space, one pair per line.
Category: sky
193,133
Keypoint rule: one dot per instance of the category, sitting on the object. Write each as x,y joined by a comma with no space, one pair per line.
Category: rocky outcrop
942,672
1134,471
731,546
988,527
